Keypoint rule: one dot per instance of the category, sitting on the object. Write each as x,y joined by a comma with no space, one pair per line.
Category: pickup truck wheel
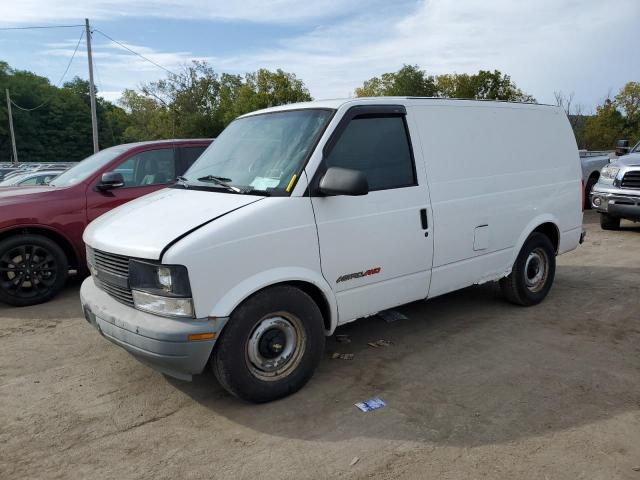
270,346
608,222
33,269
587,192
533,272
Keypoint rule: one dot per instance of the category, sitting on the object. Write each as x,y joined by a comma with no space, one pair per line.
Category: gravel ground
475,388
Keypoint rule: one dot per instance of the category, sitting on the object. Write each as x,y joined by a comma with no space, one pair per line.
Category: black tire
521,286
609,222
23,283
248,336
587,192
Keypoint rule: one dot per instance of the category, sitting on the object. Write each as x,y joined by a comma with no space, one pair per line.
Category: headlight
161,289
608,174
165,306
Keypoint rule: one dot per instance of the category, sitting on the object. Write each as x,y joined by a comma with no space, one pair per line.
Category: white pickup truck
304,217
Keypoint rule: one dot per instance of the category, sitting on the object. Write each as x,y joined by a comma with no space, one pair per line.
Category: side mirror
622,147
110,180
343,181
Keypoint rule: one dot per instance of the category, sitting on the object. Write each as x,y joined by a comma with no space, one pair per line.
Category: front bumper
616,202
156,341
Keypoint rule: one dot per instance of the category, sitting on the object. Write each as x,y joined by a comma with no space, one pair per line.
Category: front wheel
608,222
33,269
533,272
270,346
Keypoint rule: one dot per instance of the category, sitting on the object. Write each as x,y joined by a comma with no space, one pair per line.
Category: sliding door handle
423,219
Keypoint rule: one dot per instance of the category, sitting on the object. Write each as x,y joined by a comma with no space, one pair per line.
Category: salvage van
303,217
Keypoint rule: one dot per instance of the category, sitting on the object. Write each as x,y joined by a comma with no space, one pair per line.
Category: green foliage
200,102
411,81
614,120
408,81
60,130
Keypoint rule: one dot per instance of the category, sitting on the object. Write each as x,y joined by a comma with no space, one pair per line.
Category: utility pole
92,90
13,135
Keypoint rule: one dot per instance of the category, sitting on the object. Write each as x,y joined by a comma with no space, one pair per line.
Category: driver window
153,167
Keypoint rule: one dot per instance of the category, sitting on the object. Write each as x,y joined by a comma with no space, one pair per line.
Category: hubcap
27,271
536,270
275,347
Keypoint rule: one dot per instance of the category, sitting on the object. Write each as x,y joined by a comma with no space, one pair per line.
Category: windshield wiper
222,181
183,181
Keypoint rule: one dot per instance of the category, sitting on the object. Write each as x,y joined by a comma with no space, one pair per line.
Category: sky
585,47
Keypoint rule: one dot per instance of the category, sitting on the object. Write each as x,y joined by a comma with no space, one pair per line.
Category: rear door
143,172
376,250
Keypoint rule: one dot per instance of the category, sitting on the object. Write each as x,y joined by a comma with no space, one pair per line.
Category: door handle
424,220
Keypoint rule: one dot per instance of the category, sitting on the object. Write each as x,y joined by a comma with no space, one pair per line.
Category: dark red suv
41,227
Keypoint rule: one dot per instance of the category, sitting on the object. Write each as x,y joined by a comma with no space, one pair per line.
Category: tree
198,102
484,85
411,81
408,81
628,101
577,119
51,123
604,128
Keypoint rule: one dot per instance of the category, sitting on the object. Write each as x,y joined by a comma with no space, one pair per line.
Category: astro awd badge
352,276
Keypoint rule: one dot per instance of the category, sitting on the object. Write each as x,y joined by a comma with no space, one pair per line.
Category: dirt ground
475,388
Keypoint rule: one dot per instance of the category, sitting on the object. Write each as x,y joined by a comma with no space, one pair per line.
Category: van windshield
83,170
259,153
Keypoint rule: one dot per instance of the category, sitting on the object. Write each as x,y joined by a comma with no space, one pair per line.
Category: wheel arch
545,224
309,282
54,235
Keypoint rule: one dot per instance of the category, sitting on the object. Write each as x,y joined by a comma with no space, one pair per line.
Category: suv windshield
87,167
259,153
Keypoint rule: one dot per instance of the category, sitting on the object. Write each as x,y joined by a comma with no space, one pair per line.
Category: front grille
631,179
111,263
111,274
123,295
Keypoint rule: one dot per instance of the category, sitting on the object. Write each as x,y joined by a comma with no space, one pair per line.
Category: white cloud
584,46
274,11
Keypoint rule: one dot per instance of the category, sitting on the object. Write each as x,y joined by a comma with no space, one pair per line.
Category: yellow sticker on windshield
291,182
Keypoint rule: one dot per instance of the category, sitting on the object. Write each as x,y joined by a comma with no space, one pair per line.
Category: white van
304,217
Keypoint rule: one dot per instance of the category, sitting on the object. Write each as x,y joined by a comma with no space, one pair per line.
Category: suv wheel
33,269
270,346
533,272
608,222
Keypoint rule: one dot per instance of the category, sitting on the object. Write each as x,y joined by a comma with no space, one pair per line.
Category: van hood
144,227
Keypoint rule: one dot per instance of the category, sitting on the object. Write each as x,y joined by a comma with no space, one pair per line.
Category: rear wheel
608,222
270,346
33,269
533,272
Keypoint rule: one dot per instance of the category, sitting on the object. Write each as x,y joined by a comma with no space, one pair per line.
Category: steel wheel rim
265,360
536,270
27,271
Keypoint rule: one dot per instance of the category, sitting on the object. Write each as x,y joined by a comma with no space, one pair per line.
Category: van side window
379,147
152,167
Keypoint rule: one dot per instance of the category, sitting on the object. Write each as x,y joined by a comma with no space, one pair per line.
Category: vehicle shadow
467,368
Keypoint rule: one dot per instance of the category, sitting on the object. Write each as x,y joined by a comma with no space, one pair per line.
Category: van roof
336,103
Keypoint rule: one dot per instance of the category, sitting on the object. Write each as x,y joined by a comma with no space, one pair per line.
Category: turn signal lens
201,336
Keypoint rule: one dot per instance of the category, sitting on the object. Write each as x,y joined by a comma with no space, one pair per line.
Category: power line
134,52
59,81
40,27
